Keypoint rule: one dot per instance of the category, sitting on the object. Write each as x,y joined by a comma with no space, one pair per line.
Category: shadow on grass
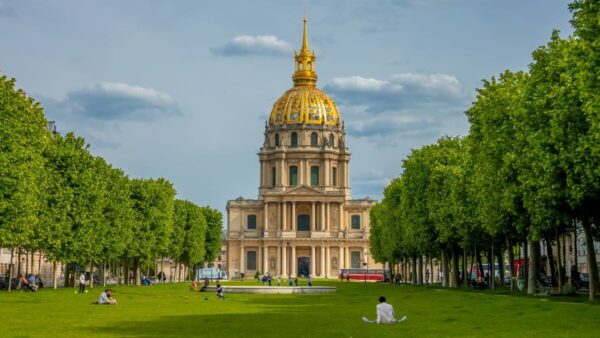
227,325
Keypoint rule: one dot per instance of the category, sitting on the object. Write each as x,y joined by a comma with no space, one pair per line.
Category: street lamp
366,263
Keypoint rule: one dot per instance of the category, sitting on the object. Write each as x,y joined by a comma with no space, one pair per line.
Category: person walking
290,281
279,281
82,282
310,279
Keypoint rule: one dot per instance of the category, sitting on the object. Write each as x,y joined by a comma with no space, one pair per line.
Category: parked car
584,280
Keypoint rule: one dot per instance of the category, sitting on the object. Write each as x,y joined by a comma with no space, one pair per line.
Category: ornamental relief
334,217
272,218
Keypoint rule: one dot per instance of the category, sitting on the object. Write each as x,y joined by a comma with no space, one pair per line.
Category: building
303,221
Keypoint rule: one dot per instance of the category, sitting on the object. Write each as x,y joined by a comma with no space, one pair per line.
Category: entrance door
303,223
303,266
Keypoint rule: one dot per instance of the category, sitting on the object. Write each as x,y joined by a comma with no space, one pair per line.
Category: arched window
300,66
314,140
293,176
309,65
294,139
277,140
331,140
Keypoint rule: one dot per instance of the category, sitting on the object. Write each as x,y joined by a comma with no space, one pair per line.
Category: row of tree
56,198
528,171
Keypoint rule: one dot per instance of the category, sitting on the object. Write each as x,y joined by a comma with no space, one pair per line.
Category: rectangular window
273,177
314,176
355,259
293,176
334,176
251,262
251,222
355,222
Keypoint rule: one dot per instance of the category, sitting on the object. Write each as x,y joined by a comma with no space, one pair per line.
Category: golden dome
304,103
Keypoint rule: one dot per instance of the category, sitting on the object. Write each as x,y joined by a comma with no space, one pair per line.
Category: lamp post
366,264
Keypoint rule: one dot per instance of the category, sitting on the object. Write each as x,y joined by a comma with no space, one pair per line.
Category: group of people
345,275
31,283
268,279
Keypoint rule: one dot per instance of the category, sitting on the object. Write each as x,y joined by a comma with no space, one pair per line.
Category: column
262,174
266,216
312,217
347,257
259,259
294,216
265,259
294,263
322,223
283,173
284,216
323,271
341,262
328,217
341,225
284,261
278,262
347,172
278,216
328,261
312,260
242,258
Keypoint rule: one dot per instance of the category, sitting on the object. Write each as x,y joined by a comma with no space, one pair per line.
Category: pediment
303,190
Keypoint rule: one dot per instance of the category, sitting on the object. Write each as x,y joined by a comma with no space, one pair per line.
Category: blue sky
182,89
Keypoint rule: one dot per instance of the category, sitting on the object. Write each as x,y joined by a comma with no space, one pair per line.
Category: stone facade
304,221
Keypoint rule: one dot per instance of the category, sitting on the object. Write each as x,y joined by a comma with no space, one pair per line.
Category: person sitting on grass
106,298
194,286
220,292
385,314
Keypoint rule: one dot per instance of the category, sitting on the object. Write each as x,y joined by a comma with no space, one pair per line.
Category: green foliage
23,138
214,221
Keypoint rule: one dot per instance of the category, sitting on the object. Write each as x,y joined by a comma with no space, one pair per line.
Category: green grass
171,310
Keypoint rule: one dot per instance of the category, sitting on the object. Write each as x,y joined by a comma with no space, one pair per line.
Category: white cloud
388,110
245,45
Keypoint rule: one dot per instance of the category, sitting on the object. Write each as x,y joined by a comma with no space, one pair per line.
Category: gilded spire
305,74
305,36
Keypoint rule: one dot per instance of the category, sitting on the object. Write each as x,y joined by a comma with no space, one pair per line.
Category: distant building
304,221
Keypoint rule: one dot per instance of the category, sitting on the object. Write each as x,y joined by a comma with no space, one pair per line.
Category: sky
182,89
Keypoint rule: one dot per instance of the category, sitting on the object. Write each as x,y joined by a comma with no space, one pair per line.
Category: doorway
303,266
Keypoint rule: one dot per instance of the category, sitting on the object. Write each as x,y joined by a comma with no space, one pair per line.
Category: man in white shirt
82,282
106,298
385,314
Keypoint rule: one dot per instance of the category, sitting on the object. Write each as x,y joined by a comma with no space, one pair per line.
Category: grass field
172,310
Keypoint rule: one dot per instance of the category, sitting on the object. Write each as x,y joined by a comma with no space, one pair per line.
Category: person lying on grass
106,298
385,314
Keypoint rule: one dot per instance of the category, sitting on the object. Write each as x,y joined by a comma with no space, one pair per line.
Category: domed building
304,221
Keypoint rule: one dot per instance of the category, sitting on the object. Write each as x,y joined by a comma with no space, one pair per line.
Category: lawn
172,310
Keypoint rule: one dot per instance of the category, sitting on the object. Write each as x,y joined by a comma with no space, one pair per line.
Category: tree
214,221
23,138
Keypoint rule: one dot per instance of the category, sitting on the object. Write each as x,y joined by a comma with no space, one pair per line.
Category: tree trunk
54,274
431,268
492,267
126,272
19,267
162,268
511,261
551,262
525,261
464,269
420,271
10,269
40,263
67,276
534,267
591,258
91,274
500,259
413,272
32,261
137,271
445,272
560,279
455,274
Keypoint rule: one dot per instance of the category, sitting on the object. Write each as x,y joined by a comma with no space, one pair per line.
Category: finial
305,34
